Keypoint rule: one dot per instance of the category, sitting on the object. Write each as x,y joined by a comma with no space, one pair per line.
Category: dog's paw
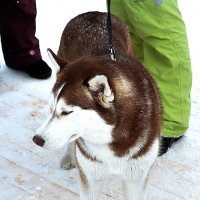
67,163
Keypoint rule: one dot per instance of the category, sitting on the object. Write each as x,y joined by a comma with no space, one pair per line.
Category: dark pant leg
17,27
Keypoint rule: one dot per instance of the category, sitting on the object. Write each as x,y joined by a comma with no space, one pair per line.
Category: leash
109,29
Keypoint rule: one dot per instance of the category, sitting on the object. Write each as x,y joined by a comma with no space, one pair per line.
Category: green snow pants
159,36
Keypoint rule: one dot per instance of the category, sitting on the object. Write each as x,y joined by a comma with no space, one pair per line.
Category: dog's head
81,105
103,102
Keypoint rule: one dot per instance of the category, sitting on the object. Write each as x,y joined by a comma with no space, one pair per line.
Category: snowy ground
28,172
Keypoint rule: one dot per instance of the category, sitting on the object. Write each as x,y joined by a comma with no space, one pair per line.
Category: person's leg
20,46
166,55
119,9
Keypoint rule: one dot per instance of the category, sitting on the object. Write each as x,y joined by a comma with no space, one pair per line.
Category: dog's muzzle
38,140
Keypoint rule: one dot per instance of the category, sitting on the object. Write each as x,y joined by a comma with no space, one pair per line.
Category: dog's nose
38,140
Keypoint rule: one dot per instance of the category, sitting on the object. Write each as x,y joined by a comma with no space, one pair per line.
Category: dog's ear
56,61
101,90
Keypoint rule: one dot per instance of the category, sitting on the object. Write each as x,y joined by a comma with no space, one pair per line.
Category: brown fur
83,178
83,54
86,35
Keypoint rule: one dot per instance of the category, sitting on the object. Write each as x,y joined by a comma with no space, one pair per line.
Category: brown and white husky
107,112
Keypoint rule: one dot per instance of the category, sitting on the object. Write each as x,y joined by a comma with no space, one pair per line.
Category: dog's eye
63,113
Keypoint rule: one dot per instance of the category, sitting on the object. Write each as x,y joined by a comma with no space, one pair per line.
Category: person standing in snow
159,36
19,45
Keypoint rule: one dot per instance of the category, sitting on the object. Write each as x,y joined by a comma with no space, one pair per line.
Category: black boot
38,69
166,143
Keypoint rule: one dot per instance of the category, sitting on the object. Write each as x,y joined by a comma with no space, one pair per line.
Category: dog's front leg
90,186
69,161
91,191
134,190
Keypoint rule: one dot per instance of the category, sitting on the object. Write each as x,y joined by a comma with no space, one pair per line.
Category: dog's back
86,35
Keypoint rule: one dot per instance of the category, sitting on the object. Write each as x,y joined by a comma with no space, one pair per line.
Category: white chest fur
105,164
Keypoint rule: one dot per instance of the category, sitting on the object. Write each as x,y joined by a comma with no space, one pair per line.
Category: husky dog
107,112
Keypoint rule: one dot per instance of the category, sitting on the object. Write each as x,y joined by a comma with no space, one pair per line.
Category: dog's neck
89,150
